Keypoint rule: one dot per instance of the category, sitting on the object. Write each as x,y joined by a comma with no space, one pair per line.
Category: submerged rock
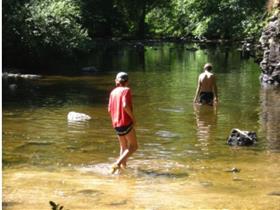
90,192
241,138
275,193
233,170
155,174
118,203
76,116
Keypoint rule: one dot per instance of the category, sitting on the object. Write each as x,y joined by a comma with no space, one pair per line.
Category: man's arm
128,110
215,89
127,105
109,104
197,90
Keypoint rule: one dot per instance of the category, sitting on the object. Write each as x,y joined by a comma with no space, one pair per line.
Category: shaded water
183,159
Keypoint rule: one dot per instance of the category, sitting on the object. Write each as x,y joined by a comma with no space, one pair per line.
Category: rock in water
241,138
76,116
233,170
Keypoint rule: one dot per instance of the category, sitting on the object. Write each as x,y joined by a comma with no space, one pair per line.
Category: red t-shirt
119,97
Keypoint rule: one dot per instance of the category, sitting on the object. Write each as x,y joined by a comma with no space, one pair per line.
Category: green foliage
169,21
12,24
41,28
227,19
54,25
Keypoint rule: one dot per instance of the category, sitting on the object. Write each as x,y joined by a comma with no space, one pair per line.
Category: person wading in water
123,120
206,87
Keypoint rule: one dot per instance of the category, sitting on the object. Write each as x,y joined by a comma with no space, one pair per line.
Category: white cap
122,77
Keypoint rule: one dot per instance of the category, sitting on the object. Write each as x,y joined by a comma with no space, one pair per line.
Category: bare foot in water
114,168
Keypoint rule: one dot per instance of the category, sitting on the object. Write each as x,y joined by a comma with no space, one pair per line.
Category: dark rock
275,76
270,44
246,50
241,138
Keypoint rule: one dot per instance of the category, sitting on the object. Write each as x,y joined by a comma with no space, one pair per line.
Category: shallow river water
183,161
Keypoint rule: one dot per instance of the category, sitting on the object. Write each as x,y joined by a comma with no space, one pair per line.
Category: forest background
36,30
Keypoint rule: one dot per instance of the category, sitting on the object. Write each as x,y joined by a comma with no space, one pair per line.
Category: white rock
76,116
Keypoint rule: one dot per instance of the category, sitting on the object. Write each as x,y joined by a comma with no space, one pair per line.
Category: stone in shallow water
161,174
76,116
275,193
90,192
233,170
118,203
241,138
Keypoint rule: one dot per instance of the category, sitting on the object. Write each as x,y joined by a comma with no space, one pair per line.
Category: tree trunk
141,24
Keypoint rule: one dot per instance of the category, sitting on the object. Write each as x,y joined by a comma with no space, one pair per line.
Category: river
183,159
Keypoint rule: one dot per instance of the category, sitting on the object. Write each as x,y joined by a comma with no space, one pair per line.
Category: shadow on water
155,174
51,92
270,117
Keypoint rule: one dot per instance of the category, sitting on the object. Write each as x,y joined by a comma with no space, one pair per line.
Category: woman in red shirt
123,120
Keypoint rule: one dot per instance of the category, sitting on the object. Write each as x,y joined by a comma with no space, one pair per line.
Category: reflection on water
183,153
270,116
77,126
206,120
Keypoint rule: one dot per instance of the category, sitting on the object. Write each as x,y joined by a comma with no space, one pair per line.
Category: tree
41,28
212,19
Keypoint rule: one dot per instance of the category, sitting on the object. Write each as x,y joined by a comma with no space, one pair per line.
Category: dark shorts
206,97
123,130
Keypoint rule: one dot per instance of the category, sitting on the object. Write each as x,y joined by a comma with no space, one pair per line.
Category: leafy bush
54,25
212,19
42,28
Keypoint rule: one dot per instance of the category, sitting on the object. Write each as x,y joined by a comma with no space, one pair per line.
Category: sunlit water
183,161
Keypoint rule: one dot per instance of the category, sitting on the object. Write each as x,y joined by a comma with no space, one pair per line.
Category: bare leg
123,148
131,141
